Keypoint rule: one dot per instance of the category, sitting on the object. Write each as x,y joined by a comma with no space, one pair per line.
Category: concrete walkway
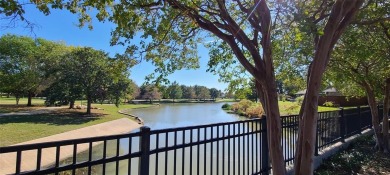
119,126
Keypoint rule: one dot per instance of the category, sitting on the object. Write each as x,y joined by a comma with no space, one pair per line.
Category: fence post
144,149
360,119
316,144
342,124
379,113
264,146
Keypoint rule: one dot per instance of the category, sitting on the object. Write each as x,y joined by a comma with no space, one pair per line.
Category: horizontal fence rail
231,148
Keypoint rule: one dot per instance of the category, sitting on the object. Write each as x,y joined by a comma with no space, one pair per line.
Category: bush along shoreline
245,108
252,109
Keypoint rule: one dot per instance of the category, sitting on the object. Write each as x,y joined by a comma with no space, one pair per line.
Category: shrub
244,104
240,112
282,97
255,111
329,104
226,106
235,107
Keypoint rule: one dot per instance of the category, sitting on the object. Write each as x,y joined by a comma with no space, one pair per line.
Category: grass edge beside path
16,129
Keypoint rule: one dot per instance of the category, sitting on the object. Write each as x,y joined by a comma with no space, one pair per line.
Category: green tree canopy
175,91
26,64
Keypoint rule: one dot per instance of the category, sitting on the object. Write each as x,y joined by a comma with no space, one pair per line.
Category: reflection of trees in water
242,153
238,154
97,153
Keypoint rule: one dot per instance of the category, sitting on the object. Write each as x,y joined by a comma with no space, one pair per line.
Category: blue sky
62,26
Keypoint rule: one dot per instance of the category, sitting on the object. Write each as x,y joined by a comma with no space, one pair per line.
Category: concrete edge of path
333,149
139,120
119,126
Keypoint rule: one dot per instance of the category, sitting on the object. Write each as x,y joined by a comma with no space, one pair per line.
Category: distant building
332,95
331,92
328,92
301,93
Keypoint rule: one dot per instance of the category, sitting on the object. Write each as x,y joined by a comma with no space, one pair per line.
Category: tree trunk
71,104
385,122
8,95
340,16
30,94
374,115
274,128
89,102
17,97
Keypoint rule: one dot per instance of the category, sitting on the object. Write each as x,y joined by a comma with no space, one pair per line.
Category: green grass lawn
16,129
22,101
291,108
9,104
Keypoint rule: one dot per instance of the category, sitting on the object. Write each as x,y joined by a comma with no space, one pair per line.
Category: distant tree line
175,91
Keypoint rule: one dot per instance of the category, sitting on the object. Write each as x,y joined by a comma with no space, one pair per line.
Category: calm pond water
184,114
179,115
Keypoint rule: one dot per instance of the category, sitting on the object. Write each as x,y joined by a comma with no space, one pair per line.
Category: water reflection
236,154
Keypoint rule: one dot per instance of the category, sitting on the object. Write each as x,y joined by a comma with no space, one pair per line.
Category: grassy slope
16,129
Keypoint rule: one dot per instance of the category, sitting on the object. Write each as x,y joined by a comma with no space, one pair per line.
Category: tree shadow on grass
5,108
57,118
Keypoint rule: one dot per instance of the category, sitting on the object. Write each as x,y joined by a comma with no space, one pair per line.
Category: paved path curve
119,126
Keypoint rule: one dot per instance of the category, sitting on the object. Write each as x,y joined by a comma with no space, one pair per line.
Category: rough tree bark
374,115
341,15
385,125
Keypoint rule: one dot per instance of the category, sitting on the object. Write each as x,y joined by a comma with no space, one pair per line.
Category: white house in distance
327,92
331,92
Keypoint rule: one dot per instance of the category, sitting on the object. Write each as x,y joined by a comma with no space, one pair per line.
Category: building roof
326,91
302,92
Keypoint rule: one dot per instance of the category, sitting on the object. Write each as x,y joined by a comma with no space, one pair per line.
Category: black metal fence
232,148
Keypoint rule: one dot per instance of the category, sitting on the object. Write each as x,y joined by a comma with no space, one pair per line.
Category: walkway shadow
56,118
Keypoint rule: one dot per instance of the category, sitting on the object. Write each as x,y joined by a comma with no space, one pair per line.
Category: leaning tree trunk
269,98
374,115
308,116
340,16
30,94
385,121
